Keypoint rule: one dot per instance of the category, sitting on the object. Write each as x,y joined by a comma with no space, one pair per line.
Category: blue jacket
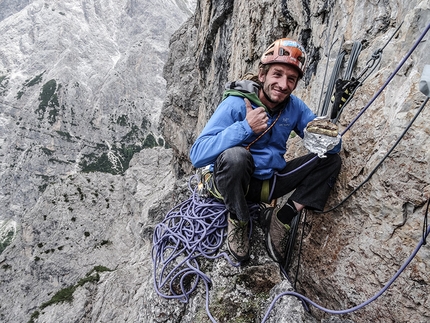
228,128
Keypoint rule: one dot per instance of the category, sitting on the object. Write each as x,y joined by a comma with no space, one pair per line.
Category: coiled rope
193,229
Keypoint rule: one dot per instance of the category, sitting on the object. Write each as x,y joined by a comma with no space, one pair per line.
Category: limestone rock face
81,89
350,253
100,103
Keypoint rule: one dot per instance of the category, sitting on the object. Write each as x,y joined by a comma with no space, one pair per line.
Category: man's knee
235,157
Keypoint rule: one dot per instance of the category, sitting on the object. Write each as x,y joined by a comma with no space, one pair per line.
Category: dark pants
311,181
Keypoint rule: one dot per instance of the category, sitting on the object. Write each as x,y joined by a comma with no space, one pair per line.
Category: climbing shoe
277,235
238,238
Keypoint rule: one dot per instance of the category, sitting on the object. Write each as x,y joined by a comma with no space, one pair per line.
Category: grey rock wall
80,97
81,89
94,154
350,253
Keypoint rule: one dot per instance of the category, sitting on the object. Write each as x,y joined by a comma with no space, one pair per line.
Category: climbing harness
206,186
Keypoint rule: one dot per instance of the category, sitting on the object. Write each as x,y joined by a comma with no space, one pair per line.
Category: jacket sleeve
225,129
305,115
336,148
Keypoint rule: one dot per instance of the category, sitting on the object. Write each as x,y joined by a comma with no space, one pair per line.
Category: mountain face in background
100,102
80,89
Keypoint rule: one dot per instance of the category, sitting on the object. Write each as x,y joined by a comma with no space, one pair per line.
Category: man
244,143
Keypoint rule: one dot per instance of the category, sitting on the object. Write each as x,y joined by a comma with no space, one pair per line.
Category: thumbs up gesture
257,118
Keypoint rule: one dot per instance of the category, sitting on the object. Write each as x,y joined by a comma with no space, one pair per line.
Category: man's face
278,83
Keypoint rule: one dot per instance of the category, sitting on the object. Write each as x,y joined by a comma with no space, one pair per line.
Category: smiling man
244,143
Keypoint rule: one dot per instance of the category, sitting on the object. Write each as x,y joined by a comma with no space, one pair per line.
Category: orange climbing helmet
287,51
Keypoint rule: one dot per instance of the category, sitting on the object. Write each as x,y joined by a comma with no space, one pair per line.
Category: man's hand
257,118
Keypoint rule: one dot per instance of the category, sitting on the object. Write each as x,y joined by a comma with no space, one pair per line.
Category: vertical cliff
88,171
350,253
80,97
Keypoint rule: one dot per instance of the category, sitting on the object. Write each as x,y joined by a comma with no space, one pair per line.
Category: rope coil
193,229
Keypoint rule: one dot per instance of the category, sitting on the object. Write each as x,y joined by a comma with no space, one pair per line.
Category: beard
275,97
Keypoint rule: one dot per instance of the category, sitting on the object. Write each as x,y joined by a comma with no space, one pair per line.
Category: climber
244,143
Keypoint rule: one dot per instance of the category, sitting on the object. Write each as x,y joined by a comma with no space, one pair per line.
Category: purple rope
192,229
303,298
402,62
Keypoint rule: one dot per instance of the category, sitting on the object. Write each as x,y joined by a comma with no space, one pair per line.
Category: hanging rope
350,85
382,160
325,73
355,84
355,52
332,83
396,70
355,308
425,222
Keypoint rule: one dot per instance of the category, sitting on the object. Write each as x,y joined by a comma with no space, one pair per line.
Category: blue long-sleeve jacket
228,128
